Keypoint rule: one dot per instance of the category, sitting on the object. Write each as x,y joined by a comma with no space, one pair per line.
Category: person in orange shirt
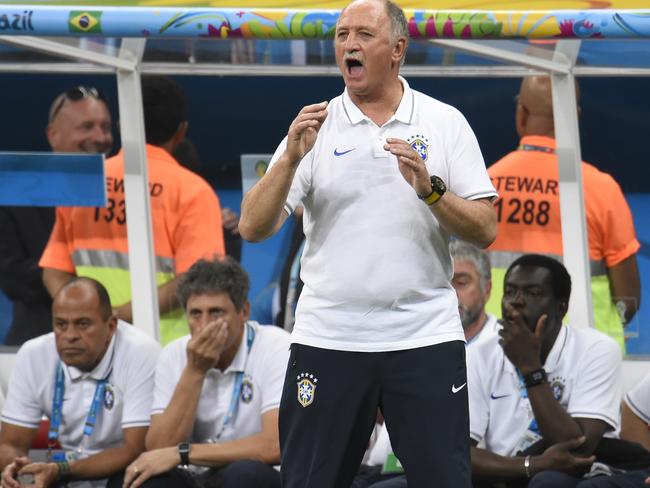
186,218
528,213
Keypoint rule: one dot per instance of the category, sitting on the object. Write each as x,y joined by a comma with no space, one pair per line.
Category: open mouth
354,66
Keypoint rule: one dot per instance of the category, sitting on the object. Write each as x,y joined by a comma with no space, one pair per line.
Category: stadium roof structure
486,38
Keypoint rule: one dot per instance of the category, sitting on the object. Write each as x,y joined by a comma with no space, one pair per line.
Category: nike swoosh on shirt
496,397
456,390
336,153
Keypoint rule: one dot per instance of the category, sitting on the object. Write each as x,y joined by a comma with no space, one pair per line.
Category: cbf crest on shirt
420,144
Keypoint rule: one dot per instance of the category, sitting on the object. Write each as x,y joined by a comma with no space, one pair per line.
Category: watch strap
535,378
184,449
433,197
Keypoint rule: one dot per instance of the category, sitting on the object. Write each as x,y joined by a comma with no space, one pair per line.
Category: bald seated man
79,121
92,377
529,214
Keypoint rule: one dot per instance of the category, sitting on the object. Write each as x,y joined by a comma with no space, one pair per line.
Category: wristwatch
438,189
184,449
535,378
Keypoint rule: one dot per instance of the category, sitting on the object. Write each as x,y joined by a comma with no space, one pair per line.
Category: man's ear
51,134
399,49
521,118
562,308
246,310
180,133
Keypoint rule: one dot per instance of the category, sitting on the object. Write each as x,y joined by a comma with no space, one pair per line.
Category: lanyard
57,414
239,379
523,392
532,147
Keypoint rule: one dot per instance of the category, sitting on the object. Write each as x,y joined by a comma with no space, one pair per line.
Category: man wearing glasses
79,121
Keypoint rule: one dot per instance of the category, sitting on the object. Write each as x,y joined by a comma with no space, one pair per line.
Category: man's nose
70,333
351,43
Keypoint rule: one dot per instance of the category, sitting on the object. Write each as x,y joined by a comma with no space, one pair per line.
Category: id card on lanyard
532,433
237,388
57,417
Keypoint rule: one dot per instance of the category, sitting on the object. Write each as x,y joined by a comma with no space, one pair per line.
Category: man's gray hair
213,277
464,251
398,25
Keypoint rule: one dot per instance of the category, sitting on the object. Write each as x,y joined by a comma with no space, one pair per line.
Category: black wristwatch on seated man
438,189
535,378
184,449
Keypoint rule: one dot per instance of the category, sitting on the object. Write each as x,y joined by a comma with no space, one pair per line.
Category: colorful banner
258,23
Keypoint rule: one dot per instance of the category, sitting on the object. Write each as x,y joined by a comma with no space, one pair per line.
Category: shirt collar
543,141
554,356
102,370
156,152
404,112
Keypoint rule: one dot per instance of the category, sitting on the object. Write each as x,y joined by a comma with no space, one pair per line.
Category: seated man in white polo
541,394
217,391
93,378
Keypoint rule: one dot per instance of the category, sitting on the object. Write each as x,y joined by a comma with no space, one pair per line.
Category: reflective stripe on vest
111,269
605,314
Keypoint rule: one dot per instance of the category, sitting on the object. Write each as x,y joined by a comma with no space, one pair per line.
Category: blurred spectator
79,121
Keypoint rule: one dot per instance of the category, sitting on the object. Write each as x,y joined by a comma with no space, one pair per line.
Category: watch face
438,185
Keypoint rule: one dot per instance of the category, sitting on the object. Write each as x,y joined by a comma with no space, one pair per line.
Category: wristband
527,466
64,471
535,378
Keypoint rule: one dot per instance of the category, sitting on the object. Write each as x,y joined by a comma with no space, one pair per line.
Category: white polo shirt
638,399
490,329
131,360
583,368
376,266
382,447
264,369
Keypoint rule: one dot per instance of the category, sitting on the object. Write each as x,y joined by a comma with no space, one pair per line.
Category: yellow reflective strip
113,259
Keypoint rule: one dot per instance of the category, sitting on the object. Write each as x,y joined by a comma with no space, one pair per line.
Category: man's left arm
474,221
263,446
625,287
167,301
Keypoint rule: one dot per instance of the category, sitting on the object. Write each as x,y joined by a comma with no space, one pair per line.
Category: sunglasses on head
74,95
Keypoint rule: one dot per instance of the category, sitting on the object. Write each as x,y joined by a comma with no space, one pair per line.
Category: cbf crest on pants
306,388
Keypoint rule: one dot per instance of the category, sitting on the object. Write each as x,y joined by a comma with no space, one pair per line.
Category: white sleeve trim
268,408
21,423
136,423
637,411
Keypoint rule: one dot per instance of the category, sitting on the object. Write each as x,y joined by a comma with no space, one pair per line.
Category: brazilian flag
85,21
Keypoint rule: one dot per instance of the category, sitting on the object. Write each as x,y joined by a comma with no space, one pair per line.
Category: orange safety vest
528,214
186,220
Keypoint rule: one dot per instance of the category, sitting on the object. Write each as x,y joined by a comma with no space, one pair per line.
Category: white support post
142,262
572,207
